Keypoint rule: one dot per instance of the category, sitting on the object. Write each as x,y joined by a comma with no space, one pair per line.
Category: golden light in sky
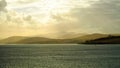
50,7
43,17
62,6
47,8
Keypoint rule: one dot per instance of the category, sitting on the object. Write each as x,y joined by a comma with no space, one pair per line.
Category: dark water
60,56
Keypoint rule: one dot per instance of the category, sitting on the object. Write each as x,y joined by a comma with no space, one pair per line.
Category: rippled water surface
60,56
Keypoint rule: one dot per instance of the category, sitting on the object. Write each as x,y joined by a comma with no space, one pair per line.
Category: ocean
60,56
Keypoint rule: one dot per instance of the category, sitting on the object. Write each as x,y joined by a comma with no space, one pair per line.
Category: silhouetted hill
41,40
84,38
66,35
12,39
90,38
34,40
71,35
105,40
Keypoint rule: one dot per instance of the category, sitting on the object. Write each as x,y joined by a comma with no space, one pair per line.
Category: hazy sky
45,17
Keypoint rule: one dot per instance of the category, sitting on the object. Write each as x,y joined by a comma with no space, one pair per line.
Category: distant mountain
84,38
90,38
35,40
65,35
113,38
12,39
71,35
105,40
32,40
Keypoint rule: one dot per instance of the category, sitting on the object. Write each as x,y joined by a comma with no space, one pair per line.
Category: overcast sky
43,17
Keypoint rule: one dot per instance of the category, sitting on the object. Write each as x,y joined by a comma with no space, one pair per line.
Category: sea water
60,56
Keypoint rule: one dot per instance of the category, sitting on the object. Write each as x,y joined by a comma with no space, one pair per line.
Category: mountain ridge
42,40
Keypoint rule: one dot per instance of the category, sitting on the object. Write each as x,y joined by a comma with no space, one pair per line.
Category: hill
32,40
35,40
12,39
86,39
105,40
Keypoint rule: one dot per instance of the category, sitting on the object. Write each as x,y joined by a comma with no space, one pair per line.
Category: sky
56,17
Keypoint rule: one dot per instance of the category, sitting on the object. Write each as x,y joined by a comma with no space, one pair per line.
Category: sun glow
44,10
54,6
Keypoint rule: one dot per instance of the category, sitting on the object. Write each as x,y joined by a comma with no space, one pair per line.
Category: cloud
102,17
107,12
3,4
13,23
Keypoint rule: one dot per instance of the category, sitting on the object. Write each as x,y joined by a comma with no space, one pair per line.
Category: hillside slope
12,39
105,40
87,39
